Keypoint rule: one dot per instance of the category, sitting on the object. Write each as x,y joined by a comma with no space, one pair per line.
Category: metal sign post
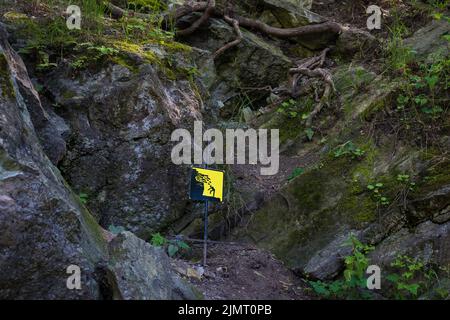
206,185
205,236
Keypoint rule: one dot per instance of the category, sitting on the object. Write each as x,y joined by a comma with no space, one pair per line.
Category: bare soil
238,272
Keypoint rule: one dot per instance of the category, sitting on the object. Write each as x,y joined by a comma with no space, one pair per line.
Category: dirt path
241,272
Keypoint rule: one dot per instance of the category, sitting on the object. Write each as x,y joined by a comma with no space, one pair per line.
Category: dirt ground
241,272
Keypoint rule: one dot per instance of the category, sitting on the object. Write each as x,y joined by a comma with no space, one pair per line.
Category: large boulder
233,79
140,271
119,149
430,39
45,228
291,13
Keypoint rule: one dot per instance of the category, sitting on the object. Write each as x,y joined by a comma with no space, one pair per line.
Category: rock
240,67
355,41
435,205
119,149
429,39
141,271
306,221
45,229
50,127
328,262
196,272
428,242
291,13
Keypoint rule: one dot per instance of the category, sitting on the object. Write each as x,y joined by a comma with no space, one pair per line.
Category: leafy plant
354,282
309,133
83,197
349,149
115,229
376,193
295,173
411,278
405,179
173,246
289,107
158,240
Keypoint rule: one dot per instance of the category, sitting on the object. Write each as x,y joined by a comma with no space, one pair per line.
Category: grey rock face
44,228
305,223
291,13
141,271
429,39
353,41
119,152
428,242
238,68
328,262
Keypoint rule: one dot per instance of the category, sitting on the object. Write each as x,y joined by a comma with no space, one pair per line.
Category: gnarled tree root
312,68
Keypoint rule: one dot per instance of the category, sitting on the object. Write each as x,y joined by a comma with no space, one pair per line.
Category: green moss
173,46
436,176
290,127
6,84
68,94
12,16
124,62
129,47
358,208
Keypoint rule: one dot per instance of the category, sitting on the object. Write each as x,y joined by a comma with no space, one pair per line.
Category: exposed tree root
235,24
209,11
312,68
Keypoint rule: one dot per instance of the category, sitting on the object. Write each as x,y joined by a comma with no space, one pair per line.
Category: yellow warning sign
206,184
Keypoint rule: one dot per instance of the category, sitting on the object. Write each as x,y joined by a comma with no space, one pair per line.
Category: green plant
376,193
348,149
295,173
397,54
92,53
309,133
173,246
83,197
289,108
158,240
405,179
413,276
115,229
354,282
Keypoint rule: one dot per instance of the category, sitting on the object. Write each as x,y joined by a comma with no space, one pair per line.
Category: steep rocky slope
85,147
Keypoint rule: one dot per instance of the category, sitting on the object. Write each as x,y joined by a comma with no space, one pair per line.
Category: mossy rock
6,84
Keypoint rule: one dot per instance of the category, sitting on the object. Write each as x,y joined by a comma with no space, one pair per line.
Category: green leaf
348,274
309,133
183,245
172,250
393,278
116,229
297,172
158,240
